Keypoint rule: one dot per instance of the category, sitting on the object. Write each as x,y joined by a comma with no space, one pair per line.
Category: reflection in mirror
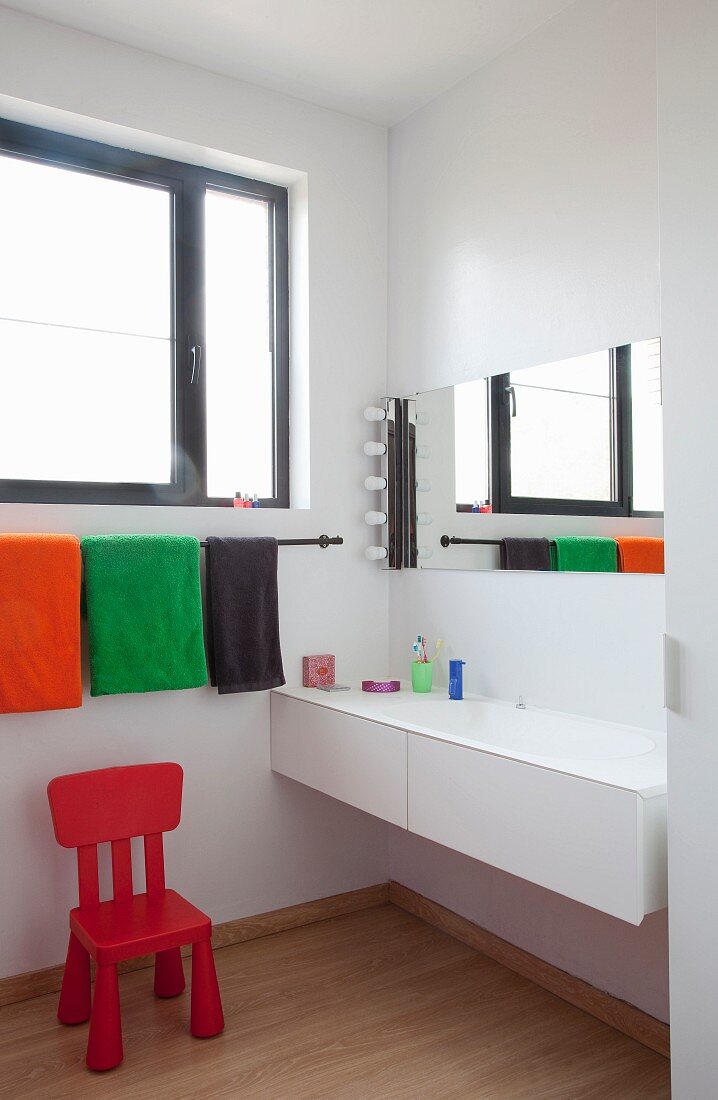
579,441
472,428
647,424
560,430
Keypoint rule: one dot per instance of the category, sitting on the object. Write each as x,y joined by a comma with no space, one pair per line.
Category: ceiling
375,59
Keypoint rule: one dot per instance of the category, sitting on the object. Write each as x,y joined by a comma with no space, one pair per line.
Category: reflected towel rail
454,540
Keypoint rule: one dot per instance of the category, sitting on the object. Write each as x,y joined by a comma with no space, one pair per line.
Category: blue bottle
456,679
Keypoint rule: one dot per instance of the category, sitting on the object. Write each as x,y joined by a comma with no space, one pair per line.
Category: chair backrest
112,805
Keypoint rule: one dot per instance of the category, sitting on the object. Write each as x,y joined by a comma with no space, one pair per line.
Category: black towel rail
454,540
324,541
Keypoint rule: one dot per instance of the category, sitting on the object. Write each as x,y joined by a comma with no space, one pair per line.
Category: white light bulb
424,552
422,418
373,448
372,483
376,553
424,519
372,413
423,452
423,485
374,518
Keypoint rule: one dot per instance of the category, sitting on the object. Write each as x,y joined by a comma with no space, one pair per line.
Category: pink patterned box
318,669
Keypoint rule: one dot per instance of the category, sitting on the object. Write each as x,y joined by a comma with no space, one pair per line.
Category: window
144,327
578,437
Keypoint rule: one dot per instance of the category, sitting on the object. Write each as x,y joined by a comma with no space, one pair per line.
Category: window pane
561,439
587,374
84,250
647,415
86,360
471,425
83,406
239,376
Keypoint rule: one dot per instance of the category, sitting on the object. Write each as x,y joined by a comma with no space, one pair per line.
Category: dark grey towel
525,554
243,615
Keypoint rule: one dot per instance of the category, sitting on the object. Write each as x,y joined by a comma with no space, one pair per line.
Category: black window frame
500,402
186,184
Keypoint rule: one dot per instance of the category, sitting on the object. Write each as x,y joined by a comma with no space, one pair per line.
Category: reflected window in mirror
560,430
647,426
472,452
579,437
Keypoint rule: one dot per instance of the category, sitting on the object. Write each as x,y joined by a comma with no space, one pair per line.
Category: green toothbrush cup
421,676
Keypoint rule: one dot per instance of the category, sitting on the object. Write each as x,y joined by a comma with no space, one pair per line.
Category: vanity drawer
582,839
359,762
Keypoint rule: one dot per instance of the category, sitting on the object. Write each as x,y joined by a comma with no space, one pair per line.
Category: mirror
554,451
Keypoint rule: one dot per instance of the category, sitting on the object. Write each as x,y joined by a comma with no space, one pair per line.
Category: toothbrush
439,643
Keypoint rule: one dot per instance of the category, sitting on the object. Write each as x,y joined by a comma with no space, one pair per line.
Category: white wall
272,843
524,229
582,643
688,173
523,224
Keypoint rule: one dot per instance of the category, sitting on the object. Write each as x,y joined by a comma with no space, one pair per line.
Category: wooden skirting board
618,1014
21,987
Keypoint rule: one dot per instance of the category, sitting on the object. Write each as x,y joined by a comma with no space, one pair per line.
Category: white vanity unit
573,804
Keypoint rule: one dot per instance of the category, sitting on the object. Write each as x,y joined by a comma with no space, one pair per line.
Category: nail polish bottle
237,502
256,502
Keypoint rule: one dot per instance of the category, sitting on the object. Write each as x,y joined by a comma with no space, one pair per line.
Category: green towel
584,554
144,613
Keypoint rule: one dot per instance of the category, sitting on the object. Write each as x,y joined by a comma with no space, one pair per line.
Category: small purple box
380,685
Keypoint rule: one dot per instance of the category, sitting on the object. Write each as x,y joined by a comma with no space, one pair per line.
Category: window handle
196,353
510,390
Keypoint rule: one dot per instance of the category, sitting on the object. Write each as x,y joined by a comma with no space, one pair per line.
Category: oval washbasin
530,732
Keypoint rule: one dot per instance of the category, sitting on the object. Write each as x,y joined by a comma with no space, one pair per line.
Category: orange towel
39,623
640,555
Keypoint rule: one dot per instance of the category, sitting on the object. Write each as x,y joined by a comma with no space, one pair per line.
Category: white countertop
645,773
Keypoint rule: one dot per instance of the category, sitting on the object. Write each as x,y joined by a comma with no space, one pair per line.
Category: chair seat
141,925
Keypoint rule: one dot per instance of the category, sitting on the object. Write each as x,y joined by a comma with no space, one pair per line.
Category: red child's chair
113,805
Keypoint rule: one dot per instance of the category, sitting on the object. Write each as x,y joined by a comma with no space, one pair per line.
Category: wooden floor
373,1005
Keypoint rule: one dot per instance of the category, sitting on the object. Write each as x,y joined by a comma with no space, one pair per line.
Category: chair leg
104,1044
74,1004
206,1007
169,975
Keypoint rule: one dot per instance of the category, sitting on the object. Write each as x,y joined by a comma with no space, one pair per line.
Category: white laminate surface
361,763
626,757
